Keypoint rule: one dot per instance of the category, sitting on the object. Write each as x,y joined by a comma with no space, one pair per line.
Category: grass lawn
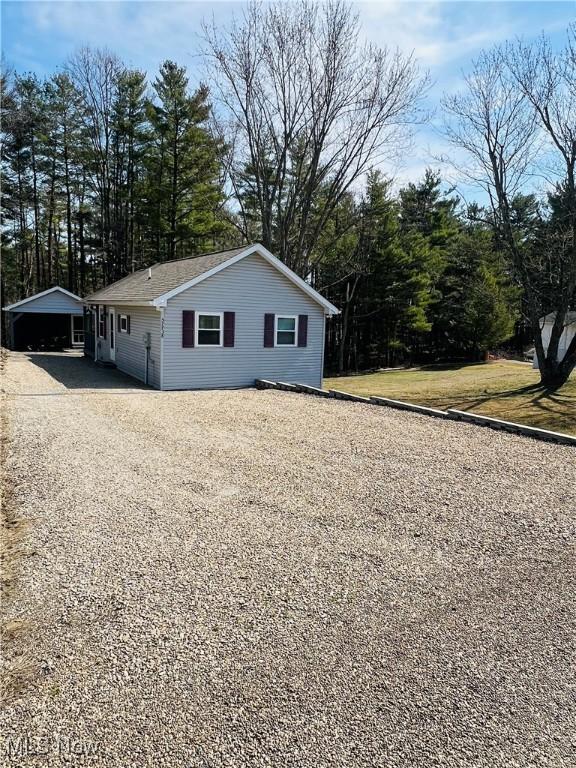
502,389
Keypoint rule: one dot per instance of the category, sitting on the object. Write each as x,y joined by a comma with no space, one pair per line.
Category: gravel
252,578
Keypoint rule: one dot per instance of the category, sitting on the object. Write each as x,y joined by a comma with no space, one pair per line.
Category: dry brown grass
16,667
12,525
11,545
501,389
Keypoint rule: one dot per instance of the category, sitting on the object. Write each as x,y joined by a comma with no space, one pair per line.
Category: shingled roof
148,284
158,283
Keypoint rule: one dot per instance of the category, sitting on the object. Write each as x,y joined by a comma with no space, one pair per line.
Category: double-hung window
77,330
285,330
209,329
123,323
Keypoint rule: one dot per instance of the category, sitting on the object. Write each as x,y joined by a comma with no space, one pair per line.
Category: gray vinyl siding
250,288
55,303
130,348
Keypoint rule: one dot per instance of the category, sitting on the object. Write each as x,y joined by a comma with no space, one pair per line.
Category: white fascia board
118,302
39,295
329,308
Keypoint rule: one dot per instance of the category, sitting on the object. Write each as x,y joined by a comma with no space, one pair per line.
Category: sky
444,36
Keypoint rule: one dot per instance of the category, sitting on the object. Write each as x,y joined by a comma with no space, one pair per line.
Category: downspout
162,310
147,345
321,382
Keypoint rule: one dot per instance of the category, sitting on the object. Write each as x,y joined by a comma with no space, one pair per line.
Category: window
101,322
123,323
77,330
112,337
209,329
285,331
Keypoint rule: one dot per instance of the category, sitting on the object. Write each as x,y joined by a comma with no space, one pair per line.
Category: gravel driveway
267,579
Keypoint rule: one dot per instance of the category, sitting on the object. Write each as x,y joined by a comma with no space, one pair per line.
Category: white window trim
77,332
286,317
197,328
124,319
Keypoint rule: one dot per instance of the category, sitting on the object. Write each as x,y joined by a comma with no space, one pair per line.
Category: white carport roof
18,304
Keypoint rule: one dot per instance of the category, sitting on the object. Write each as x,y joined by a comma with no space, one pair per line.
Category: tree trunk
49,240
554,373
346,324
70,250
36,216
82,252
174,197
24,260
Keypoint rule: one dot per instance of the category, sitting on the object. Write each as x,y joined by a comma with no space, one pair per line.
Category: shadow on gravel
74,371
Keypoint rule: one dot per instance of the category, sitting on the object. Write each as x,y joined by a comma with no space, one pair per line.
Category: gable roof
17,304
140,288
160,282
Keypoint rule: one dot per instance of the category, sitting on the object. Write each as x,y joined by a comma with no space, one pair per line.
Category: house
216,320
52,319
568,334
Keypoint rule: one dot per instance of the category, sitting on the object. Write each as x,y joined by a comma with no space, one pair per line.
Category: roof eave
119,302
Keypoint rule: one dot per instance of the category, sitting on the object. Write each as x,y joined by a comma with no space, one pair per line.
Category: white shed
52,319
567,335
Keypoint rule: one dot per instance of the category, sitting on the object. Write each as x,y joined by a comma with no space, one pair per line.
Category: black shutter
118,323
188,328
128,324
229,327
302,330
268,330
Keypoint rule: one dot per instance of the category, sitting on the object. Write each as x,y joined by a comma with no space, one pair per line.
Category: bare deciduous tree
516,120
310,110
95,74
547,80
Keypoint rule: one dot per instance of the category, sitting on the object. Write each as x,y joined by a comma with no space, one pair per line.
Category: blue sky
445,36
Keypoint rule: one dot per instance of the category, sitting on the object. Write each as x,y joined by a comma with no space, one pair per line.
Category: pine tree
184,187
478,305
400,281
130,142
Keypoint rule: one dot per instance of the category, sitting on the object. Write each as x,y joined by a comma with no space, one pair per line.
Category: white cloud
444,36
438,33
142,33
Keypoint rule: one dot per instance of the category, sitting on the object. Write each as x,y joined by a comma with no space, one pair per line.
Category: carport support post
11,319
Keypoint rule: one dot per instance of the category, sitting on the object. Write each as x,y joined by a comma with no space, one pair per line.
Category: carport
52,319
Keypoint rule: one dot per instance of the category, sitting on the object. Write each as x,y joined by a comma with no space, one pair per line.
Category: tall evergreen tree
184,186
478,305
130,141
384,289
